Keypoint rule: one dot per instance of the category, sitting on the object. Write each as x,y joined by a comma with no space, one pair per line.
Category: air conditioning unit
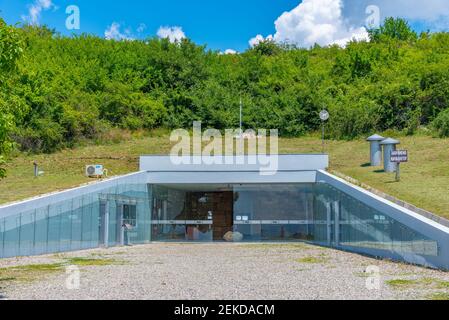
94,171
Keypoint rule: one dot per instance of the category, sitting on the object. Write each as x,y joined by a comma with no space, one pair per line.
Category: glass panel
169,232
54,228
249,232
41,230
317,213
273,212
76,223
26,233
365,227
11,236
66,226
184,215
168,214
2,234
130,215
93,232
86,223
140,233
112,227
199,232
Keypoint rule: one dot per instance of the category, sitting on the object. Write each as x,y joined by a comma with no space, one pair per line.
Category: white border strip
58,196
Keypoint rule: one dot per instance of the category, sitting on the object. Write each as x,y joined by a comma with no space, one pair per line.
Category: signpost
398,157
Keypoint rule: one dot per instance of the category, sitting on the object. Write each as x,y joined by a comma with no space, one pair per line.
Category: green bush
350,121
43,135
10,51
413,122
2,168
441,124
61,91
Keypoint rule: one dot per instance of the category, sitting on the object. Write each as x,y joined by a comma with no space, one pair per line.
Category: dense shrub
441,124
10,51
42,135
64,90
349,121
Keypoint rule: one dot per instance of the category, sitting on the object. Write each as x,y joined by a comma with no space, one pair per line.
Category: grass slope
425,179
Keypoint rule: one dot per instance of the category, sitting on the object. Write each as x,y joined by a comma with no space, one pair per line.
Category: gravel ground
224,271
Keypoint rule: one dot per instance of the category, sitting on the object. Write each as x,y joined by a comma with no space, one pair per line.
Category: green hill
59,91
62,93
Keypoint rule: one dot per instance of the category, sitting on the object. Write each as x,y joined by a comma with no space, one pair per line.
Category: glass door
182,215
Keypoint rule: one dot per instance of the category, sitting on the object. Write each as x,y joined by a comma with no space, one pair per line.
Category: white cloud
258,39
141,28
113,32
432,14
174,34
317,22
35,9
410,9
328,22
230,51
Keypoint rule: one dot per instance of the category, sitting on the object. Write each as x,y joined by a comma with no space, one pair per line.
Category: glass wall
181,215
320,214
76,223
274,212
66,226
354,224
130,214
315,213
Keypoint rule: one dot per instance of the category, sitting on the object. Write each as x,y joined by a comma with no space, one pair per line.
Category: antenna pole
324,136
241,117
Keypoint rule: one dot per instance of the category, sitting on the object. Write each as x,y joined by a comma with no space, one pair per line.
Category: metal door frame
104,224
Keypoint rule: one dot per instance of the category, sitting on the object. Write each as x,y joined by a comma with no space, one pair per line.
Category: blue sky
220,24
230,24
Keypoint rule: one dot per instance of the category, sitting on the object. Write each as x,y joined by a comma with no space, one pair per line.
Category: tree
10,51
393,28
267,48
67,90
441,124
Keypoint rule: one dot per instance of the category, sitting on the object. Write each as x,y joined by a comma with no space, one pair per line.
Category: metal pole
398,172
329,224
106,224
241,116
323,135
36,169
337,223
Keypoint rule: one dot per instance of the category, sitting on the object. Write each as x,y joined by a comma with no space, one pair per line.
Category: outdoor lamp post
324,116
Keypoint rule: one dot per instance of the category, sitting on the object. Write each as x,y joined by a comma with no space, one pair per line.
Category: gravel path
224,271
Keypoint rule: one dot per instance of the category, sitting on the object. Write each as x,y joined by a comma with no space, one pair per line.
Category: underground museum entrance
167,203
315,213
198,215
233,213
212,210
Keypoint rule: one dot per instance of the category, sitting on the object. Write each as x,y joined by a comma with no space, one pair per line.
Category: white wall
301,162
